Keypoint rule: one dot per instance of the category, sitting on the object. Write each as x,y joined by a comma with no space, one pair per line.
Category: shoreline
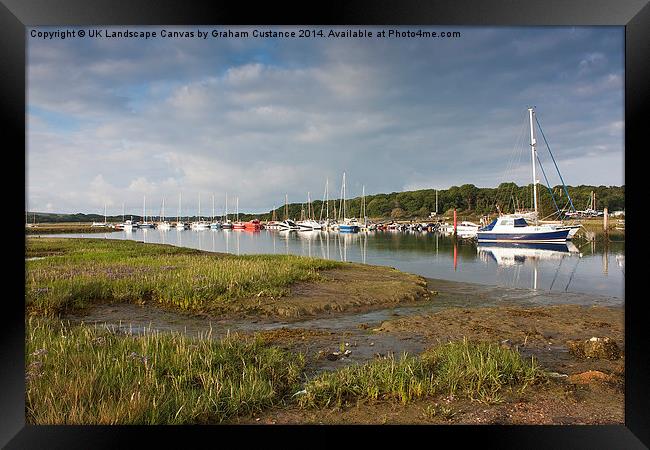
529,323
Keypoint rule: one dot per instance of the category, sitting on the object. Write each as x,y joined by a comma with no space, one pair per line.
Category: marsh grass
79,272
478,371
78,374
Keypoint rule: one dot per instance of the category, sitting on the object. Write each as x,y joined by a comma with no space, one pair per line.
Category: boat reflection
514,253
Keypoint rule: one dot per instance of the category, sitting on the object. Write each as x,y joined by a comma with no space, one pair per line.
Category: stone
596,347
590,376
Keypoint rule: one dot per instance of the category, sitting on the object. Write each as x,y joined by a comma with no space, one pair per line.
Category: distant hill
467,199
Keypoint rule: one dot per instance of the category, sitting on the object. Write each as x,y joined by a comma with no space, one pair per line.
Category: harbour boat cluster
521,226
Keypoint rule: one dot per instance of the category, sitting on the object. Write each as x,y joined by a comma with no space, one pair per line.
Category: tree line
467,199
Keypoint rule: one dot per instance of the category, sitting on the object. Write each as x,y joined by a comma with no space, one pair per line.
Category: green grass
76,273
90,375
479,371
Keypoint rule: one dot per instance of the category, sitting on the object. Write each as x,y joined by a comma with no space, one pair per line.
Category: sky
110,121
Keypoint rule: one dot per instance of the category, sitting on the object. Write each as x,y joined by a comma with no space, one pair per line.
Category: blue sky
112,120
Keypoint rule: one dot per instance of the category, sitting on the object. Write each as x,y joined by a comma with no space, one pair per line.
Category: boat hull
348,228
543,236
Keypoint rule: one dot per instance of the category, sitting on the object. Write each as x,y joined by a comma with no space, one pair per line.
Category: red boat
253,225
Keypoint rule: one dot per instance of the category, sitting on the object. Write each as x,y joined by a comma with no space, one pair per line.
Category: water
580,267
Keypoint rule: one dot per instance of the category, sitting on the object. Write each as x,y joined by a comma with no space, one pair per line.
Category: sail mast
342,199
286,206
363,203
532,150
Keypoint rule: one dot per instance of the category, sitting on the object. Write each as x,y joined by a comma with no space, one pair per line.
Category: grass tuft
479,371
76,273
77,374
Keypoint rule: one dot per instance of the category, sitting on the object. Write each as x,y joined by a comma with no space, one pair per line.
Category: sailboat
163,224
238,225
215,224
180,225
348,225
226,224
144,223
200,224
287,224
514,227
309,223
327,223
101,224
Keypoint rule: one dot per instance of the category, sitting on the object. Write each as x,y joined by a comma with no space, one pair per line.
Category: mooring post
605,216
455,222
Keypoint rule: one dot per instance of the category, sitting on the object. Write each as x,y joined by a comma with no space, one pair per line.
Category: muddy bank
542,331
351,289
556,403
579,390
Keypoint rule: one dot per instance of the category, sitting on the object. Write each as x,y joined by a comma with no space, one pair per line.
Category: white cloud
111,122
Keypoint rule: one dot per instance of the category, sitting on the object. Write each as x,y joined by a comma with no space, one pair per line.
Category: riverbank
65,227
575,389
73,274
348,325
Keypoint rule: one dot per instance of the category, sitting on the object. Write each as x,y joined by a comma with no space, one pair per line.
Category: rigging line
548,185
556,167
572,273
556,272
516,155
514,152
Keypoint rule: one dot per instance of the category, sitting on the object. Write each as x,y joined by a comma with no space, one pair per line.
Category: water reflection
581,267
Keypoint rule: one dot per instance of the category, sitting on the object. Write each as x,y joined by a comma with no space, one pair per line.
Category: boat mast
178,218
363,203
532,149
327,200
308,206
162,213
436,202
286,206
213,207
199,207
122,212
343,198
237,209
144,209
104,212
226,219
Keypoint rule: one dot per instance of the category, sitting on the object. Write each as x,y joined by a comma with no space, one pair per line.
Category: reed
478,371
78,374
76,273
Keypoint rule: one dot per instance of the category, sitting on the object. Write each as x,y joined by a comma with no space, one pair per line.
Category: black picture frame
16,15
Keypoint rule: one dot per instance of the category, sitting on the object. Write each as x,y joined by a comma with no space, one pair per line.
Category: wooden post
605,217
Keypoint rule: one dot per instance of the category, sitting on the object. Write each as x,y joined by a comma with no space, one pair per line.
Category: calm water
581,267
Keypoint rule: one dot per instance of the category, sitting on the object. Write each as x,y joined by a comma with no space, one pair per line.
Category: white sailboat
144,223
287,224
309,224
514,227
163,224
180,225
226,224
101,224
200,224
214,224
